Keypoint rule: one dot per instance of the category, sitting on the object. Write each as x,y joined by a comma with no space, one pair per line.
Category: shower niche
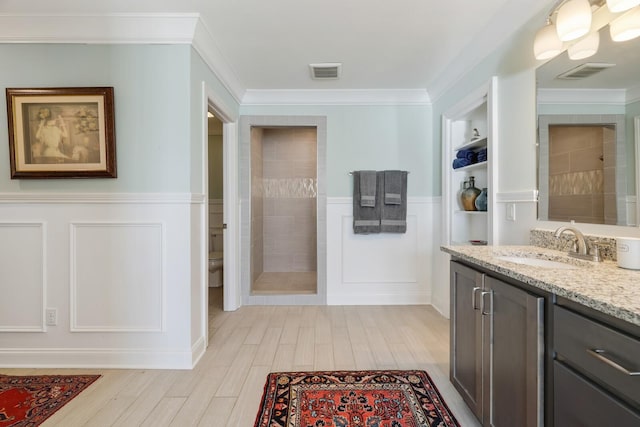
284,190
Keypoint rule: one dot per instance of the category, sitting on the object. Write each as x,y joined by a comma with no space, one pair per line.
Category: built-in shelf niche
470,125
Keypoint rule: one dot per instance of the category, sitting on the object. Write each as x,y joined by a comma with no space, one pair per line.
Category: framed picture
61,132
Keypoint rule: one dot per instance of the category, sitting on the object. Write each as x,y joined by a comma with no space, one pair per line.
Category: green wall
199,73
215,167
151,85
580,109
373,137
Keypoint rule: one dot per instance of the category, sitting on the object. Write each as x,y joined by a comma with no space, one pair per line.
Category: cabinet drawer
578,402
602,353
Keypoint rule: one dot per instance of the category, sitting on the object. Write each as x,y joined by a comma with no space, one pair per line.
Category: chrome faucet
582,249
580,239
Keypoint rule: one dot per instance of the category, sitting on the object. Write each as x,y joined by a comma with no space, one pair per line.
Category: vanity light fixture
626,26
571,19
617,6
585,47
574,19
547,44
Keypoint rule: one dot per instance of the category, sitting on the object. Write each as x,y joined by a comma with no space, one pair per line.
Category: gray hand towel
393,187
366,220
394,216
368,184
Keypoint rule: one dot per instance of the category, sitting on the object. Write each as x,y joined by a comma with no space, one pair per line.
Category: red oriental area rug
353,399
28,401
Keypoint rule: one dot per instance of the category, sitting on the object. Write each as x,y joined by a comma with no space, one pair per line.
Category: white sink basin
537,262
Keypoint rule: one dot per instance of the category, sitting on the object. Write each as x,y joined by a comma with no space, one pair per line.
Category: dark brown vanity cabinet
596,372
497,348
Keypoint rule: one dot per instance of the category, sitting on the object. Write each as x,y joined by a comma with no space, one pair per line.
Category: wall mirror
588,135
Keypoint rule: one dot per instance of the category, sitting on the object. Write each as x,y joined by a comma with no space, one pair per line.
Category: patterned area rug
28,401
352,399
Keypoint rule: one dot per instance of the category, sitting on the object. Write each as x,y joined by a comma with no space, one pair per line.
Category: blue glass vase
481,200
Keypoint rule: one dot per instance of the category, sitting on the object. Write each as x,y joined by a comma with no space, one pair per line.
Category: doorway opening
284,194
579,170
215,197
572,189
283,209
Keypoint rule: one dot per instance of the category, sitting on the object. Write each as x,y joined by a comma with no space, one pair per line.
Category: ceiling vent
585,70
325,71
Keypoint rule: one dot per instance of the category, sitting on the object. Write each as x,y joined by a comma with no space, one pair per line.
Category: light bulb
574,19
617,6
547,44
585,47
626,27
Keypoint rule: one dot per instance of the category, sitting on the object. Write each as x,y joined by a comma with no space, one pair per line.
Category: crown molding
183,28
113,28
582,96
633,95
518,14
204,43
123,28
337,97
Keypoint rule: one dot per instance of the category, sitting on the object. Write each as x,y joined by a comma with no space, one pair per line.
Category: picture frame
61,132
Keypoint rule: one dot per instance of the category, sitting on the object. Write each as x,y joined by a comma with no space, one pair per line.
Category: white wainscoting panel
384,268
380,258
22,276
122,270
117,277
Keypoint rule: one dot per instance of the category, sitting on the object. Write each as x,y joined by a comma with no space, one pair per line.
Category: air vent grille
585,70
325,71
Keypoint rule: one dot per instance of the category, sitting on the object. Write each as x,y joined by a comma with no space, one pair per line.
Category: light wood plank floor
226,386
270,283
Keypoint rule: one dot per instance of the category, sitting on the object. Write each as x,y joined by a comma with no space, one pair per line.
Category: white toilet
216,260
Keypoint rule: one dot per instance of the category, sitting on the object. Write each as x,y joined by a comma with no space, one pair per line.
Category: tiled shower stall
284,210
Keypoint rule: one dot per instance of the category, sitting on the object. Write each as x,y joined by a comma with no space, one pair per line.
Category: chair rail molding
92,198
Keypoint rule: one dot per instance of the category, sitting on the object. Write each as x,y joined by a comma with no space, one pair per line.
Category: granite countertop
602,286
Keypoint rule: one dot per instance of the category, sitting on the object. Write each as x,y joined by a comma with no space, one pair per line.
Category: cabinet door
578,402
514,367
466,336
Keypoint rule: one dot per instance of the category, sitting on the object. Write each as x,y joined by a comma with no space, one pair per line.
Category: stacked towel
394,209
469,155
460,163
482,155
366,220
368,183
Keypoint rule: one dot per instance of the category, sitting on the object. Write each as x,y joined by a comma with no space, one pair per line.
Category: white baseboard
197,351
60,358
380,298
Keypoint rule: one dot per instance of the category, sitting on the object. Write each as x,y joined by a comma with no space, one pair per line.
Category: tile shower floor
285,283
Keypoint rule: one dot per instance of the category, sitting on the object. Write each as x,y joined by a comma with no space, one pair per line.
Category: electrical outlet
52,316
511,211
